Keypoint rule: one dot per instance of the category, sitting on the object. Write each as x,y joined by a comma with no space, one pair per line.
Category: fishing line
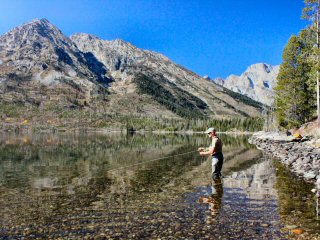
151,160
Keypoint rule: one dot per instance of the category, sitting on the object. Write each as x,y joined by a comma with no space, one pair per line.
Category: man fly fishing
215,150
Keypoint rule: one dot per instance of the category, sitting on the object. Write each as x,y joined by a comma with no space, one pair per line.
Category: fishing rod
151,160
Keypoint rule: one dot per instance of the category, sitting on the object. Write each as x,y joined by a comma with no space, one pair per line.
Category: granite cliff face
42,67
257,82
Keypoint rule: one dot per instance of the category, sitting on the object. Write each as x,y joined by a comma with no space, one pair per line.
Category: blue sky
216,38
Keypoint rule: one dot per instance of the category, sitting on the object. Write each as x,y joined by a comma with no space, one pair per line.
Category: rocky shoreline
301,157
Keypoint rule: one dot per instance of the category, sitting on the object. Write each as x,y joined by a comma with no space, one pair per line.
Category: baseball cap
209,130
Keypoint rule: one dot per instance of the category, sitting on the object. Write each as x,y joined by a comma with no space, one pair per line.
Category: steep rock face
257,82
115,54
129,64
38,54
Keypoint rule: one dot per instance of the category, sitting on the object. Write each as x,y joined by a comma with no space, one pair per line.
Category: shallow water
146,186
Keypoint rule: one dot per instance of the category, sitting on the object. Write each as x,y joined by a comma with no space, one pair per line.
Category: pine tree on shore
293,91
311,13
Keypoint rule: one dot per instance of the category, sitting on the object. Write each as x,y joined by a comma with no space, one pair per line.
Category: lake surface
73,186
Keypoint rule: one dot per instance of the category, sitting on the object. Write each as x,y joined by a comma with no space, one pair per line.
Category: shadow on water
137,186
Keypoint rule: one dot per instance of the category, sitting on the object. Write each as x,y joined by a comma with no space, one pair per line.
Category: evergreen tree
310,58
310,13
293,102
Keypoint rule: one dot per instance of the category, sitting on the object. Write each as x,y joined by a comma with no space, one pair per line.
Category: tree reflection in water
297,204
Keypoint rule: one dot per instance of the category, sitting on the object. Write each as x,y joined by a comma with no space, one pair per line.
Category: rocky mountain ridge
126,62
40,66
38,54
257,82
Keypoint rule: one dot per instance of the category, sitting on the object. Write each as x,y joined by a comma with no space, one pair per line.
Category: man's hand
200,149
202,153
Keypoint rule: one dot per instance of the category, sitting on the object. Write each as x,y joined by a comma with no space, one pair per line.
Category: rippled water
146,186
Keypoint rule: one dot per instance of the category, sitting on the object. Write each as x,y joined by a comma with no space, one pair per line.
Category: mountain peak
38,32
260,67
257,82
36,23
35,29
39,52
39,21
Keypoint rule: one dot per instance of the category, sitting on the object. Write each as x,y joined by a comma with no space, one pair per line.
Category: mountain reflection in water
76,185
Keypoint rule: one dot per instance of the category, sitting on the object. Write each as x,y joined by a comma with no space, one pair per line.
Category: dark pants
217,162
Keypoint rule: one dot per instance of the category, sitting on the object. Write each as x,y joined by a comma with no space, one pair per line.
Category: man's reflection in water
214,200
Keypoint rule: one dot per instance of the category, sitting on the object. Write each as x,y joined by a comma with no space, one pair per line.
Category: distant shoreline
37,129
